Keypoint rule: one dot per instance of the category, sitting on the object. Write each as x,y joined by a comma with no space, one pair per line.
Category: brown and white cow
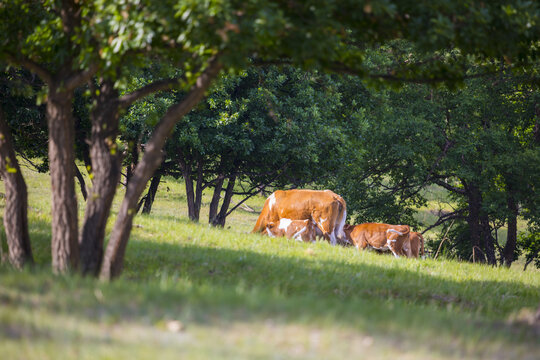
383,237
300,230
414,246
325,208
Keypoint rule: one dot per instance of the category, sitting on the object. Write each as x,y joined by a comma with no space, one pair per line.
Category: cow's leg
390,244
298,235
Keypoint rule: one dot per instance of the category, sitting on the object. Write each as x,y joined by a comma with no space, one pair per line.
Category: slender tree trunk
106,174
82,183
114,256
190,193
199,188
134,161
64,245
15,215
214,204
150,196
221,217
511,239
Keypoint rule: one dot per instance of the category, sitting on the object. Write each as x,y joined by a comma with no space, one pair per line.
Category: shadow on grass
208,285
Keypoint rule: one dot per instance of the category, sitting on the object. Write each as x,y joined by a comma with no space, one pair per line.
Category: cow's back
301,203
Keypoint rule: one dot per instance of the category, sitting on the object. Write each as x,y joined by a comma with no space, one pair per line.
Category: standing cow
383,237
325,208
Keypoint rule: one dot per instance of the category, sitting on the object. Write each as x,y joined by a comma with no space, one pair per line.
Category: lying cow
383,237
325,208
414,246
300,230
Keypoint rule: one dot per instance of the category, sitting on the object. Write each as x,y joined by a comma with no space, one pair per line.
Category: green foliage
529,244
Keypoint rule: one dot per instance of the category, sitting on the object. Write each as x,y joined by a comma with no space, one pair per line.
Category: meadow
195,292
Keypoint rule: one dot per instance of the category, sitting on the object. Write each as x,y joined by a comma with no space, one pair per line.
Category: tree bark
511,239
152,158
150,196
15,215
105,176
221,217
214,204
64,245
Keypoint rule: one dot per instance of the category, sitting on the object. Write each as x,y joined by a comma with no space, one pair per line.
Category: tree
67,42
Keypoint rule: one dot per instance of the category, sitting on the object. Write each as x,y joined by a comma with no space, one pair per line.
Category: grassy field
193,292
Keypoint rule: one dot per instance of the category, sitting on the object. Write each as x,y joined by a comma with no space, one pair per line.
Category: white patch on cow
284,223
323,220
394,231
272,201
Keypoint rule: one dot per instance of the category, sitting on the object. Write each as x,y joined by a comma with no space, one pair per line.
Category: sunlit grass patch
196,292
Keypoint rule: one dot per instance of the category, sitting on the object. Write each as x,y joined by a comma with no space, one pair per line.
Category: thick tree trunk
150,196
15,215
64,245
511,239
221,217
114,256
214,204
105,176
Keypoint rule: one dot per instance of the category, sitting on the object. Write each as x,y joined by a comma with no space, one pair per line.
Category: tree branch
34,67
458,214
165,84
449,187
78,78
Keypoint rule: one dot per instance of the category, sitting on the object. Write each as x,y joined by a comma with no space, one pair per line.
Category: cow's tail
340,233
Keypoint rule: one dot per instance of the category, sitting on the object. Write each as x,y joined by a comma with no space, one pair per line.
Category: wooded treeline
118,80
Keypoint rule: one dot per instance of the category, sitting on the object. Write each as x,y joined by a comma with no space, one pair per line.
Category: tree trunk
105,176
220,219
15,215
488,242
511,239
198,187
64,245
473,218
190,194
134,161
114,256
150,196
82,183
214,204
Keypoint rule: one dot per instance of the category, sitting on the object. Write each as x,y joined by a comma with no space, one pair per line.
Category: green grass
240,296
